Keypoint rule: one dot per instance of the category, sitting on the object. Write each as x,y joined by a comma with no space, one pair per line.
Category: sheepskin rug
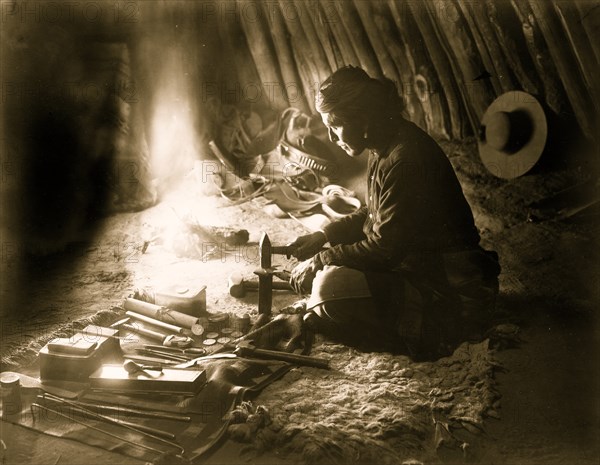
378,408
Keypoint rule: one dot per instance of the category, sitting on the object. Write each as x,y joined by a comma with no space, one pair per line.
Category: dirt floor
549,409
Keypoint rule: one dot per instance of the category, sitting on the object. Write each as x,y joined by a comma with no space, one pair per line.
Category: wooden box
76,357
115,378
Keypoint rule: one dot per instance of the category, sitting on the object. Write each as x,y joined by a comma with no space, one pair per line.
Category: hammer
244,348
238,286
265,274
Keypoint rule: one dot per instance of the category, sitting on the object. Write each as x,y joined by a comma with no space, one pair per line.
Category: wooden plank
294,88
567,67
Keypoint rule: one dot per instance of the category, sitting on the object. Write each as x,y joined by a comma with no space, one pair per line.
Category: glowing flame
173,146
174,152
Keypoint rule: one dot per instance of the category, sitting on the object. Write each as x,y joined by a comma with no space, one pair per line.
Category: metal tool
112,420
177,341
168,355
117,409
76,408
238,286
133,368
265,280
191,351
145,403
254,333
95,428
265,272
195,361
118,323
154,360
245,349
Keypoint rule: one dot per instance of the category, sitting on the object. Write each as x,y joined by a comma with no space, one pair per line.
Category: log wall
449,58
93,90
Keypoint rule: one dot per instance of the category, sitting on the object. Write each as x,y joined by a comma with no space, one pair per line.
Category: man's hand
287,332
304,274
308,245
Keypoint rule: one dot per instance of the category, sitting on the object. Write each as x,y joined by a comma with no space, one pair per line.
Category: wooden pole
365,13
511,40
444,71
304,44
554,93
247,84
453,30
500,70
567,67
425,115
358,38
341,38
261,49
440,59
484,53
311,72
425,84
589,19
321,26
580,44
397,43
307,76
393,42
316,48
294,88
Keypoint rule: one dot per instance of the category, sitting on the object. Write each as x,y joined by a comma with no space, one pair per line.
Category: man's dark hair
350,94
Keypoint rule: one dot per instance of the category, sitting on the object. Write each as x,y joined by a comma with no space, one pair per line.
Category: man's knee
338,282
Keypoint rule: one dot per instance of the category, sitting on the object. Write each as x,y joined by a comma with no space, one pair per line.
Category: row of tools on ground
150,357
173,330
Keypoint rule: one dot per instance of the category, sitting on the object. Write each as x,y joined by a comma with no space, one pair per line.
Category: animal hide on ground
378,407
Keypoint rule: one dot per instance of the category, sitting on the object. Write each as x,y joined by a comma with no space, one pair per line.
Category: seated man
406,271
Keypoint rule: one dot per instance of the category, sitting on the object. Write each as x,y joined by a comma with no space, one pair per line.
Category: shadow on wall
80,86
51,115
64,190
60,118
80,98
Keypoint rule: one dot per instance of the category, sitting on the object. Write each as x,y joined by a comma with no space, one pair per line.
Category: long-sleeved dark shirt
415,205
